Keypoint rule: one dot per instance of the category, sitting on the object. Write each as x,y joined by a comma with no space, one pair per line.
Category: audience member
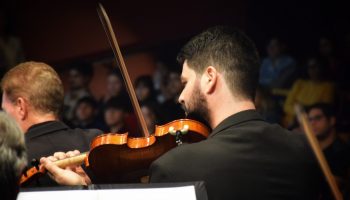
86,114
267,106
317,88
171,109
151,116
80,75
278,69
115,86
144,89
322,120
159,77
115,115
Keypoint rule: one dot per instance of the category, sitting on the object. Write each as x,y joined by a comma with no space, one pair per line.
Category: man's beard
198,105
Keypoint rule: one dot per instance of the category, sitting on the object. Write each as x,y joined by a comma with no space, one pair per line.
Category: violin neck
76,160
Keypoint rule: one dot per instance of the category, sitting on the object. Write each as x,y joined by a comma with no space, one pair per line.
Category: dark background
56,31
60,32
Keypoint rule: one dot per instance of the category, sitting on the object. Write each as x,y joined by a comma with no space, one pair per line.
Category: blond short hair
37,83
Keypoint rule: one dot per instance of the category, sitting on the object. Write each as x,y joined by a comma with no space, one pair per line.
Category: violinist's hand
72,175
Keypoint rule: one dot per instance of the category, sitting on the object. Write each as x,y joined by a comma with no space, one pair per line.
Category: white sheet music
183,193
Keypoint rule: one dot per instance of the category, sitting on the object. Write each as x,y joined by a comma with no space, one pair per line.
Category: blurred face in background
85,112
150,118
114,85
142,92
320,124
114,116
174,86
76,80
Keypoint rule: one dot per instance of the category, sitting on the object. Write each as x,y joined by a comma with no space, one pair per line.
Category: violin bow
107,26
303,120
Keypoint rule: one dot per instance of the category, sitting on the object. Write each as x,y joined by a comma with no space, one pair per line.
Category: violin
115,157
119,152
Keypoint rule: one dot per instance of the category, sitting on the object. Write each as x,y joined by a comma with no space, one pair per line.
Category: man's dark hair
231,52
327,109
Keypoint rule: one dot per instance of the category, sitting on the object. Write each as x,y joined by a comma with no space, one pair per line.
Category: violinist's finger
60,155
76,152
72,153
62,176
51,158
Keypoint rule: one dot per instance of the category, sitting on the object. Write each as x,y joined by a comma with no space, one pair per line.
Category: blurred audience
159,77
80,75
86,114
115,115
145,91
278,69
171,108
115,86
151,116
267,106
316,88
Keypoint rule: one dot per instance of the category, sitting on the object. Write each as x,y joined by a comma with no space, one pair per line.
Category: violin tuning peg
25,172
172,130
35,163
185,129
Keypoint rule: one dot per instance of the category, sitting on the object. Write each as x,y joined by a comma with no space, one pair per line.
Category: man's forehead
185,70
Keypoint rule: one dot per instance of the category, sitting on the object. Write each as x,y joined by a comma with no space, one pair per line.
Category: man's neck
37,119
226,108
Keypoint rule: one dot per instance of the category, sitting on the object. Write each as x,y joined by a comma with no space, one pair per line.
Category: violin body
128,159
117,158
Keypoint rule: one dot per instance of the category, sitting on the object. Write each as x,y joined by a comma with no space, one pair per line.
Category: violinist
33,96
244,156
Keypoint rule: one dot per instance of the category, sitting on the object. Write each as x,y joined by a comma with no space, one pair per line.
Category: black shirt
46,138
244,158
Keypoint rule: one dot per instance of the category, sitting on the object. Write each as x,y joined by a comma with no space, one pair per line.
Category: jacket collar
237,118
45,128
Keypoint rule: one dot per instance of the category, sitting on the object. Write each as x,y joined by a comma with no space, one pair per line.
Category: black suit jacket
244,158
46,138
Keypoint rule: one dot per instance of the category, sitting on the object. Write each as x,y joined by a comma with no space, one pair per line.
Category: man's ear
210,78
21,108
